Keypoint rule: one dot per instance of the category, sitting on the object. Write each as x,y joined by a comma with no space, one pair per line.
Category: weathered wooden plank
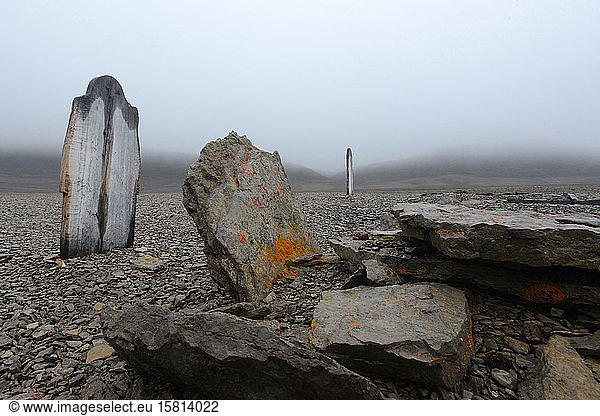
100,171
349,173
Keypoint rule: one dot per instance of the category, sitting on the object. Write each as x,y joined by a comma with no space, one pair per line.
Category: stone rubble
58,303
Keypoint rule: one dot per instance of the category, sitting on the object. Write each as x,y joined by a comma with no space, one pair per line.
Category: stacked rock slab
415,332
226,357
533,239
241,201
100,171
416,259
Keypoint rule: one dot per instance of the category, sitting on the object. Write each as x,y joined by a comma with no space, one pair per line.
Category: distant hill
29,172
485,171
303,179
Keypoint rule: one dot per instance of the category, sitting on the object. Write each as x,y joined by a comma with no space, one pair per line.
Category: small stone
99,352
476,384
74,344
73,332
490,344
517,346
500,359
32,326
360,235
503,377
532,332
523,361
149,263
98,306
70,307
556,312
467,394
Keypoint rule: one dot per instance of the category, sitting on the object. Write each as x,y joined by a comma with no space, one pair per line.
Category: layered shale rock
225,357
560,374
100,171
418,260
241,201
416,332
532,239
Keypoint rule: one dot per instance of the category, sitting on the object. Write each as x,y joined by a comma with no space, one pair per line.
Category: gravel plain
51,343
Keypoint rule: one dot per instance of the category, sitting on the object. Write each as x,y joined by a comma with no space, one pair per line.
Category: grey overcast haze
394,80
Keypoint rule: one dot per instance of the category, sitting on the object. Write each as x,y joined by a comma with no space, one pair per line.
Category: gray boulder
223,356
559,374
241,201
533,239
100,171
415,332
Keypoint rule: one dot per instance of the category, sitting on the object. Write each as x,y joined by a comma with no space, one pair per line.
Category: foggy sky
392,80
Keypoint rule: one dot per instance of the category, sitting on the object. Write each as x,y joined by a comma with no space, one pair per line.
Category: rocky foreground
52,343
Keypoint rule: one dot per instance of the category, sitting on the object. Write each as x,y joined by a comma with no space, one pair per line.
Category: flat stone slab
148,263
241,201
415,332
100,171
588,345
559,374
99,352
530,238
223,356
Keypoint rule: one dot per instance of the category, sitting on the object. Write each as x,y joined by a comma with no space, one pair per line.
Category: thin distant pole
349,173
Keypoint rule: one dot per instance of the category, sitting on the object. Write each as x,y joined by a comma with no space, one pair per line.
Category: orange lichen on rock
241,238
544,294
285,249
449,233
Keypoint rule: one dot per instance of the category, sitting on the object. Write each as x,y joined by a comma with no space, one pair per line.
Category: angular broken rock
225,357
559,374
100,171
533,239
415,332
241,201
588,345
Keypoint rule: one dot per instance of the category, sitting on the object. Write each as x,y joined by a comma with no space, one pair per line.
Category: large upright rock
241,201
225,357
416,332
533,239
100,170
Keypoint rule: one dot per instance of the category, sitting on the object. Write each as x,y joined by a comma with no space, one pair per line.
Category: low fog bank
27,171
